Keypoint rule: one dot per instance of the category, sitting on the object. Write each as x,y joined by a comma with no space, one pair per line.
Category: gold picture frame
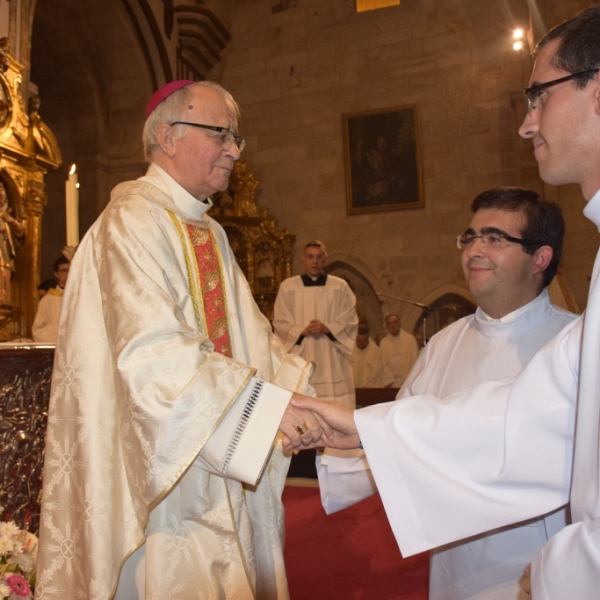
383,160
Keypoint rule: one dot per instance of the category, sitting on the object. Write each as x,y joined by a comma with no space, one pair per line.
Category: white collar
592,209
515,313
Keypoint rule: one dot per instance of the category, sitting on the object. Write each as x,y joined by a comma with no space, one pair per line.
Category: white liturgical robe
447,469
45,325
151,432
569,565
470,351
400,353
369,368
334,305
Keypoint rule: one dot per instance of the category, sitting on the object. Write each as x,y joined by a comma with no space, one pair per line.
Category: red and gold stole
212,288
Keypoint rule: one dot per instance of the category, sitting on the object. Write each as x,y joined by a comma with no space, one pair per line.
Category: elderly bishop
163,473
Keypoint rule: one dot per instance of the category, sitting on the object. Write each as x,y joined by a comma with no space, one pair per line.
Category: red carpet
350,555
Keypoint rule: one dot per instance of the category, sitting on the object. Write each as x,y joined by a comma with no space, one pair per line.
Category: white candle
72,208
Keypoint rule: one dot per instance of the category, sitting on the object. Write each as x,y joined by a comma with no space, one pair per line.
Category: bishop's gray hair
173,108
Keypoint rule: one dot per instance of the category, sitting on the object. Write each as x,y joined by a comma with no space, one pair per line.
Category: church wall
97,111
297,67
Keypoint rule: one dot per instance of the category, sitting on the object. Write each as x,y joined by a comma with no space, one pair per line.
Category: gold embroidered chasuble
138,392
212,288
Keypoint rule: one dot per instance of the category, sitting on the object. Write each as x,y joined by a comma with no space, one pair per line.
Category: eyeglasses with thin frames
534,94
227,136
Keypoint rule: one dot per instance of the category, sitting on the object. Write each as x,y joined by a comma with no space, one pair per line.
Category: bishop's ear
165,135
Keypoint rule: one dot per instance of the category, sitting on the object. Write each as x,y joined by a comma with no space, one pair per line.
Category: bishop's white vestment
400,353
151,431
45,325
331,301
472,350
369,368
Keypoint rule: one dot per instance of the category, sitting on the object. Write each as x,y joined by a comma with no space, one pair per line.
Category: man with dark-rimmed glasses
510,254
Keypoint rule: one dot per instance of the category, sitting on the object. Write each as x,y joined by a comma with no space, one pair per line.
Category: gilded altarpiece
262,249
28,149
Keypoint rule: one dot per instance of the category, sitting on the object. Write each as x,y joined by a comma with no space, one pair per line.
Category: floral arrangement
18,554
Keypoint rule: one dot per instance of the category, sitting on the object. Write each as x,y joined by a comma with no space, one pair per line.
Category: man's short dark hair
61,260
47,284
363,329
544,223
579,47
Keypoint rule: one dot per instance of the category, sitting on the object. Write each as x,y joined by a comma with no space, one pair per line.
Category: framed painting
382,156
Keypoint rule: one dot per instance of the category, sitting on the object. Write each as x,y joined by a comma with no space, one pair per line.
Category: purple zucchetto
164,92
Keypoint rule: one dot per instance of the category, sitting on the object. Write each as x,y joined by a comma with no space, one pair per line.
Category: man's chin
552,176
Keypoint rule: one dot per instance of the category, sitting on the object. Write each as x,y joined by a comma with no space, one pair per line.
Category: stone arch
364,284
94,78
448,303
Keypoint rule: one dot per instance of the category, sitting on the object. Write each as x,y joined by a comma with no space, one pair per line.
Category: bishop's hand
301,428
337,419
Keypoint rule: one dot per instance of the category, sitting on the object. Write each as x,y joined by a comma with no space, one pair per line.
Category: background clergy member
45,324
315,317
399,348
368,365
161,416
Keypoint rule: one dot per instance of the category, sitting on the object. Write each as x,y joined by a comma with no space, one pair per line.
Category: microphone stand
426,310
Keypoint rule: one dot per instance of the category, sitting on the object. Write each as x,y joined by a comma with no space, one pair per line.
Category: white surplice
334,305
470,351
45,325
400,353
149,428
369,368
569,565
482,458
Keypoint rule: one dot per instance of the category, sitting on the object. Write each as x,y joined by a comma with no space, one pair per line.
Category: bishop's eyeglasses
227,136
491,239
536,93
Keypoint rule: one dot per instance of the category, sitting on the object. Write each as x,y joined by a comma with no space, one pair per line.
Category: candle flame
73,169
77,185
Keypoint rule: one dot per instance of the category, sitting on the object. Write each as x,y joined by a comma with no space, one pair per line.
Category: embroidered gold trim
222,275
192,273
238,540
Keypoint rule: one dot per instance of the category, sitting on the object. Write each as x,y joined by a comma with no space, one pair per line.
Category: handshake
312,423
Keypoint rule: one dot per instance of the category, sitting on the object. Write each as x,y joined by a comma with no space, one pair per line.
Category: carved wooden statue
12,236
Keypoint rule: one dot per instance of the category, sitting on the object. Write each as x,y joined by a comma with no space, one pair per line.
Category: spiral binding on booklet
241,426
